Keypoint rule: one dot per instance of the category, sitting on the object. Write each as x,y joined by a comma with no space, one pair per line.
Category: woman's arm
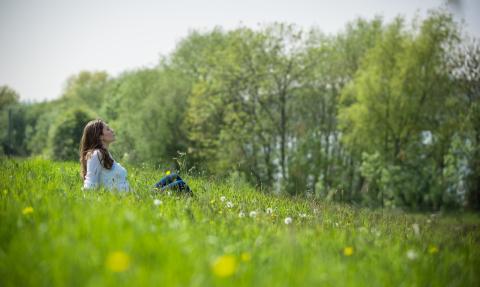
94,167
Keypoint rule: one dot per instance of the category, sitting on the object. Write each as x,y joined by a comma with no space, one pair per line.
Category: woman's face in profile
108,135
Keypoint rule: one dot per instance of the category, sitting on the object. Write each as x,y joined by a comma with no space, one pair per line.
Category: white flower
302,215
157,202
288,220
253,214
222,198
241,214
412,255
416,229
269,210
229,204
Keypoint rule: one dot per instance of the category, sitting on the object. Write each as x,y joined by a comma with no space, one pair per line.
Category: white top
99,176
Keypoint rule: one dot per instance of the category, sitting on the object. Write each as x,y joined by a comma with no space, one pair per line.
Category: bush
65,134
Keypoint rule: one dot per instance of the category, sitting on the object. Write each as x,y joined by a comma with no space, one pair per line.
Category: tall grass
54,234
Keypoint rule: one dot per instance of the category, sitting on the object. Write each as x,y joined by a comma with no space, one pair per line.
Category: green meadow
54,234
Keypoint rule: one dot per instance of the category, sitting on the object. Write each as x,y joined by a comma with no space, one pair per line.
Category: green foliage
55,234
86,89
336,117
65,134
8,96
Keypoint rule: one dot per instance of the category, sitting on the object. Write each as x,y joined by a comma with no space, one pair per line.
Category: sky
43,42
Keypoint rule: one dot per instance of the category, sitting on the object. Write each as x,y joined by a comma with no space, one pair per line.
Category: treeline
380,114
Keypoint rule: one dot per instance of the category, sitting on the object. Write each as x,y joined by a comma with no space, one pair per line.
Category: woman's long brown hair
91,141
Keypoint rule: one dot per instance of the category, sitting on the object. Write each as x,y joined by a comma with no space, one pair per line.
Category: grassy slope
69,237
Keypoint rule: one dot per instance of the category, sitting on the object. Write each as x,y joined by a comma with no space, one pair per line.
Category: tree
65,134
401,90
8,96
464,67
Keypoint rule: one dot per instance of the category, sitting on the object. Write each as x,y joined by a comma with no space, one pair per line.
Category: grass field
54,234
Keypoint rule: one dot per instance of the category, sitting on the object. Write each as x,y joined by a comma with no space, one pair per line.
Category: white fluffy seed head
412,255
288,220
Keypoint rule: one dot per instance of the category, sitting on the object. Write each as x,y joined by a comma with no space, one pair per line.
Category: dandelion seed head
288,220
241,214
229,204
269,210
412,255
157,202
222,198
253,214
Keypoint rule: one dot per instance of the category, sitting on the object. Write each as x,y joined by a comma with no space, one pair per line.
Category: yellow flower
246,256
27,210
167,172
224,266
117,261
432,249
348,251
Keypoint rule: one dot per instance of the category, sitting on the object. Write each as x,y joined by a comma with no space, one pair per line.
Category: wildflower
167,172
241,214
117,261
288,220
157,202
253,214
432,249
27,210
416,229
348,251
411,254
269,210
245,256
222,198
224,266
229,204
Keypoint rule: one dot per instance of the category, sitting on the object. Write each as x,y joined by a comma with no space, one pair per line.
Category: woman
99,169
